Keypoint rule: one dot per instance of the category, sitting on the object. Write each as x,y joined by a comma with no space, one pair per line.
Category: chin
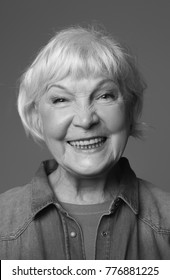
87,173
95,170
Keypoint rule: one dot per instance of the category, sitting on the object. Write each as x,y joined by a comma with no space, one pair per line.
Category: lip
86,138
91,147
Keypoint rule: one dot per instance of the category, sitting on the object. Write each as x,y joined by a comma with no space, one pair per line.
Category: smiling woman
84,126
82,96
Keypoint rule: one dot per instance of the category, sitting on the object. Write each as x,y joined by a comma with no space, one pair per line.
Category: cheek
117,125
55,124
114,118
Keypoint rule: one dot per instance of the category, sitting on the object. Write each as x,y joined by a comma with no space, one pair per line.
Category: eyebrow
99,85
58,86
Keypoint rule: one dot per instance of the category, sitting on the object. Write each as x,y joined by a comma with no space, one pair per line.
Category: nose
85,118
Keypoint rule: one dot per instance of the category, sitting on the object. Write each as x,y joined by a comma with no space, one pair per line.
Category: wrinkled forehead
83,85
82,79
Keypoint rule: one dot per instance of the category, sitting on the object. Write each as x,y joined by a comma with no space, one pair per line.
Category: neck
77,190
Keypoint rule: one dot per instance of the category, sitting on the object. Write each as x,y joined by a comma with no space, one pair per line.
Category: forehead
84,85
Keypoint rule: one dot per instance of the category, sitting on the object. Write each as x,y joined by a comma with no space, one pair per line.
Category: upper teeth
87,142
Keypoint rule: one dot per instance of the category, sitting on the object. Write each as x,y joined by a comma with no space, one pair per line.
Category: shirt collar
128,186
43,195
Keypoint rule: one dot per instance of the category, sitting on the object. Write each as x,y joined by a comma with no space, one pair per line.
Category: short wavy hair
81,53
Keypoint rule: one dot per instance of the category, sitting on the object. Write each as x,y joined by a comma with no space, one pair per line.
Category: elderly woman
82,96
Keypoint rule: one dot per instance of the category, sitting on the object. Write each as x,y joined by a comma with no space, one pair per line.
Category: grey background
25,26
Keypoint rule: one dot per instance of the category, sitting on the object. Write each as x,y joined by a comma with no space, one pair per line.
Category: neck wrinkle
71,189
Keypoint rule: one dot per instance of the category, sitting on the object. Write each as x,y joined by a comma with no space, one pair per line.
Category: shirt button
104,233
73,234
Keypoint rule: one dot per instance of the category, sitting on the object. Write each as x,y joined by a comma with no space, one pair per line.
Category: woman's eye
109,96
58,100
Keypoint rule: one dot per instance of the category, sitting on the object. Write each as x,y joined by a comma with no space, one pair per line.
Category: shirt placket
104,233
75,249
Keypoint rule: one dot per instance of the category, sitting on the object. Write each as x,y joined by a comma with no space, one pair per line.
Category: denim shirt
33,225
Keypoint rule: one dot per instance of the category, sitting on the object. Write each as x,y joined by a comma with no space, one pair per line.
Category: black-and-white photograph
84,130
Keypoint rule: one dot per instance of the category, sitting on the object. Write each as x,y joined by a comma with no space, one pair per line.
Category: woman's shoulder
14,195
149,190
15,209
154,206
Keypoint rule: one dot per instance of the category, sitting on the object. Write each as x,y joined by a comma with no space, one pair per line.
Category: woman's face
84,124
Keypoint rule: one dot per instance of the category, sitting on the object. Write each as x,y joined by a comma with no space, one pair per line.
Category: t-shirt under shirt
88,217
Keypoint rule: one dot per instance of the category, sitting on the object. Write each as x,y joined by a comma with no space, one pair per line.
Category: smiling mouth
88,144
